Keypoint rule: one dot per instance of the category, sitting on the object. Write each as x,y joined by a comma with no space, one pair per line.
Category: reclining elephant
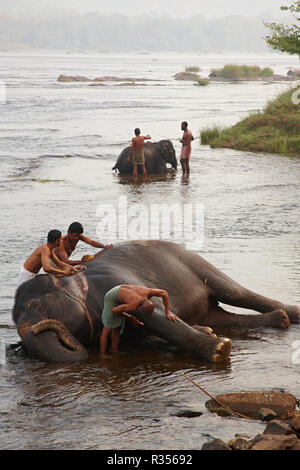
157,155
56,317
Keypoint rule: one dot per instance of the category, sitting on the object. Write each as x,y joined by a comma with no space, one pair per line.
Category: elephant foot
276,319
222,350
293,312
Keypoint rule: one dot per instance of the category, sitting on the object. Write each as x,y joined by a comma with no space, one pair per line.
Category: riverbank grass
274,130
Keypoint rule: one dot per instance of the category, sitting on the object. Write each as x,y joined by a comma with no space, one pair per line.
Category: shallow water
58,143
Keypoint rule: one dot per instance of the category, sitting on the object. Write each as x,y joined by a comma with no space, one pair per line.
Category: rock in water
216,444
250,403
265,414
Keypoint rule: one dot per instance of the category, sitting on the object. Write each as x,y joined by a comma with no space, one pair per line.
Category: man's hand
80,267
86,258
172,316
72,270
106,247
129,159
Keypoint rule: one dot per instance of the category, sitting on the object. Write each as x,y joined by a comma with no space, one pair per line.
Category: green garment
109,319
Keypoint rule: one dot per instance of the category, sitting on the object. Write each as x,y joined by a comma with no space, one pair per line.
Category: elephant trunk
51,341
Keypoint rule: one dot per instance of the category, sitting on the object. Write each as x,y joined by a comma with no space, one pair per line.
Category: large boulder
249,404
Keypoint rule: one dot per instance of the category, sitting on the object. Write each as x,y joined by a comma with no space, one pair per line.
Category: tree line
122,33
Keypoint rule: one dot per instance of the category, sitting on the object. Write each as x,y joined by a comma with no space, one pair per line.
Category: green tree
283,37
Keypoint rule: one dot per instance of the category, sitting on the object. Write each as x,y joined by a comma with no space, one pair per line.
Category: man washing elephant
136,153
42,257
69,243
122,299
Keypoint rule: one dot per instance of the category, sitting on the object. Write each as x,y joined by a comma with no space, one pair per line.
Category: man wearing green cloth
123,299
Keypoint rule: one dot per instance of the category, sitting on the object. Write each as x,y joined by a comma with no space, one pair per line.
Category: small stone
239,444
277,427
187,414
295,423
275,442
216,444
296,446
265,414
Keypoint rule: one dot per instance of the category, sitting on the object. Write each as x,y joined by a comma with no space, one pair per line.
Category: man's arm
131,307
61,253
93,243
61,264
45,258
165,298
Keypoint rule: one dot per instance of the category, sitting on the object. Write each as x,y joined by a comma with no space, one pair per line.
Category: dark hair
137,131
185,123
75,227
53,235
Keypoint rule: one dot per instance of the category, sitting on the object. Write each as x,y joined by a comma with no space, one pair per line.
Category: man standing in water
69,243
186,150
123,299
136,153
42,257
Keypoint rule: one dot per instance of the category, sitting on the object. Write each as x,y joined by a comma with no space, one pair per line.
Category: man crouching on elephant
127,298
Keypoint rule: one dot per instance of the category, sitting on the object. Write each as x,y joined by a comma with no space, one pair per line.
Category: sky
175,8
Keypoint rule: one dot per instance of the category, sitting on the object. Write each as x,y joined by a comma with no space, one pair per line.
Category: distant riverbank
274,130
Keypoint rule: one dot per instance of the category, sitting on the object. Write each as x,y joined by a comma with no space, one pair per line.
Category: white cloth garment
25,275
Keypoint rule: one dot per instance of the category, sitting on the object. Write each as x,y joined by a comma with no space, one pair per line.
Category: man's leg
115,337
187,166
182,165
144,173
134,172
103,339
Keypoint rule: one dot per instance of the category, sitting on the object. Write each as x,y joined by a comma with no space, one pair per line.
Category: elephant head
167,151
40,315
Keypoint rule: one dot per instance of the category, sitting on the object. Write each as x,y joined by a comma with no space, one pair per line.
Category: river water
58,143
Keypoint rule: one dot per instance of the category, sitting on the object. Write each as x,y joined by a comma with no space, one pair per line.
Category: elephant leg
227,291
217,316
186,337
51,341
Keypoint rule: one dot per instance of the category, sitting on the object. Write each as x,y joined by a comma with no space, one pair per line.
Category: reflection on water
62,161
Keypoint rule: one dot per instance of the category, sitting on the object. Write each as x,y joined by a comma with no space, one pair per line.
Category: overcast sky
174,8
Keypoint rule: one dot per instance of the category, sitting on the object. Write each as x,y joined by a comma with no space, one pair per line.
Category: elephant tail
49,340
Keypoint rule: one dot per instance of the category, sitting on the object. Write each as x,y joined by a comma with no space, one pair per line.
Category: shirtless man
69,243
136,153
123,299
41,257
186,150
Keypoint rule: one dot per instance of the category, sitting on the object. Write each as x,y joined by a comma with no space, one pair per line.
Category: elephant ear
164,150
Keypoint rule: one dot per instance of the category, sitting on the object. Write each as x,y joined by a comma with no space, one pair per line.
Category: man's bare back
42,257
139,142
131,297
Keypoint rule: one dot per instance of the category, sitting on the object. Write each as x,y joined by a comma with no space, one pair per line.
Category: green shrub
231,71
193,69
267,72
209,134
202,82
276,129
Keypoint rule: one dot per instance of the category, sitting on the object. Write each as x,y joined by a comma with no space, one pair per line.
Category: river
58,143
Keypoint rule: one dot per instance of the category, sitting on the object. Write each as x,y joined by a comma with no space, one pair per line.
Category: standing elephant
56,317
157,155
